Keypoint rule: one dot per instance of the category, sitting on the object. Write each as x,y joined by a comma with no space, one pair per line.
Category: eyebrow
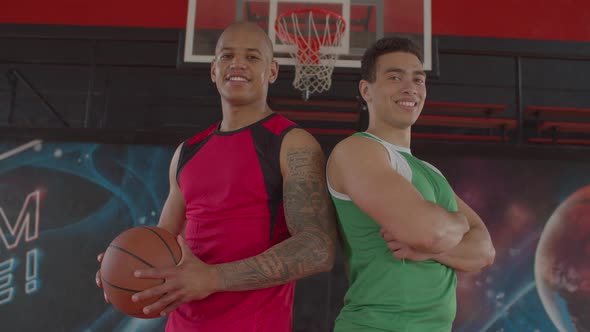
247,50
401,71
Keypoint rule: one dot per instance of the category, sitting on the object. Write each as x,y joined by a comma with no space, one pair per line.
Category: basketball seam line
165,243
128,290
132,254
121,288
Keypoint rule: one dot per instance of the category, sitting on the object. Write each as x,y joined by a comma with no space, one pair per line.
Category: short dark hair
385,46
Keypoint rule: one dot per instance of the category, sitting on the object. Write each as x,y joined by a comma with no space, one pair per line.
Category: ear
365,91
274,71
213,76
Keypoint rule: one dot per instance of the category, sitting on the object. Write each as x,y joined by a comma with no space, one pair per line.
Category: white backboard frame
342,63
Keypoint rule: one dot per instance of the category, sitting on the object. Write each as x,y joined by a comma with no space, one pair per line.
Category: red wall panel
528,19
121,13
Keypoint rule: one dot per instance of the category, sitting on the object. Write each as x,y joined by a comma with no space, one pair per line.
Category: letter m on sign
27,223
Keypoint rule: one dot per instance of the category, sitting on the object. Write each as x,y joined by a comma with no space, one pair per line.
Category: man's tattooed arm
310,218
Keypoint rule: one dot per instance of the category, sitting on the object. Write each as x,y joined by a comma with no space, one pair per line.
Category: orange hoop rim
288,37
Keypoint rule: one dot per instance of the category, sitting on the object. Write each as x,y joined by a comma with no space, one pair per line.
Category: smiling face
243,65
397,94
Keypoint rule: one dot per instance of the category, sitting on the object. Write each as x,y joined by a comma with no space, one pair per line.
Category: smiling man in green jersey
404,230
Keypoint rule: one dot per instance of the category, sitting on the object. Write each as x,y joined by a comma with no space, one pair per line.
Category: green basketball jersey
386,293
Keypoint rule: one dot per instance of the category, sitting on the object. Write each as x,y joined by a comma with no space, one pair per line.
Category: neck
237,117
396,136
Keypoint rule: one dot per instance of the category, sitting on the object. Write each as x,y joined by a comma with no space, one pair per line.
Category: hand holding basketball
190,280
136,248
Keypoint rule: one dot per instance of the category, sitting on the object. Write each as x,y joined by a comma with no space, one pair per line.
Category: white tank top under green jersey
385,293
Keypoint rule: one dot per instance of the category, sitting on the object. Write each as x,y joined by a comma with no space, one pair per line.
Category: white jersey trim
398,163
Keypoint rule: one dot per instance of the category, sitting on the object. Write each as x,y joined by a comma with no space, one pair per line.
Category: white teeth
407,103
235,78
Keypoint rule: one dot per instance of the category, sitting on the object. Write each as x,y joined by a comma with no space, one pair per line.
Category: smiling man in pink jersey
250,198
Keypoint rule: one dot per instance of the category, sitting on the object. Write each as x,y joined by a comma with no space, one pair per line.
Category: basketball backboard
366,21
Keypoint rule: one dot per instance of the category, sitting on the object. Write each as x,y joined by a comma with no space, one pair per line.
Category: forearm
302,255
448,231
473,253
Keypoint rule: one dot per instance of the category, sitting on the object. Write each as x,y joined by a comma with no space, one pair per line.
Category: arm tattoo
311,220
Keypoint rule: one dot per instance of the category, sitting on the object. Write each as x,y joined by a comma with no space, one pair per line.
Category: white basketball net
313,68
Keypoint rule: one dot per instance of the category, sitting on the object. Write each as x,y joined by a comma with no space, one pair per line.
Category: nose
409,87
238,62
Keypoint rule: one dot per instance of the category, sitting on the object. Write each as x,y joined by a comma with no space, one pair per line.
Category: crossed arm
473,253
361,168
413,228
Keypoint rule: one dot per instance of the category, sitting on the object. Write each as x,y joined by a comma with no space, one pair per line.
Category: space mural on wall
60,205
62,202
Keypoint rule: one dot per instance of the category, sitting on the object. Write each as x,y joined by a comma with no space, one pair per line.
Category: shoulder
357,147
298,137
301,152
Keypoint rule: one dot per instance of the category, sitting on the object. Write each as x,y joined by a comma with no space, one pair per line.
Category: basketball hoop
322,29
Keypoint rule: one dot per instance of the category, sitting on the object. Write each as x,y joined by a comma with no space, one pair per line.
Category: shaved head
250,28
244,50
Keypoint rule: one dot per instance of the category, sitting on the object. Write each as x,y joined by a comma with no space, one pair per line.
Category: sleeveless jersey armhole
179,163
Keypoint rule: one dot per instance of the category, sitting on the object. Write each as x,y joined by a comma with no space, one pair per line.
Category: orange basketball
137,248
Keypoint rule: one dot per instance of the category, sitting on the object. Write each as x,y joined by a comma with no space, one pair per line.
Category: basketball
137,248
